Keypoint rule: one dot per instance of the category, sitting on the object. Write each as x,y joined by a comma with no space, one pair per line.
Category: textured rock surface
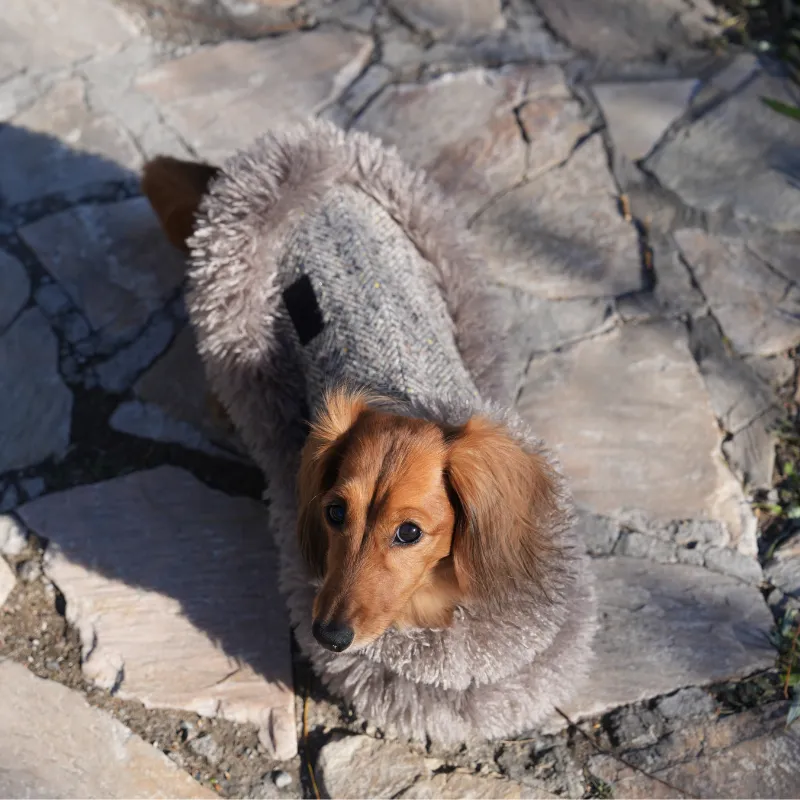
456,786
464,131
739,156
619,30
14,288
55,744
451,17
757,307
639,113
35,405
663,627
112,260
561,236
34,159
745,755
7,581
362,767
221,97
173,589
783,570
633,402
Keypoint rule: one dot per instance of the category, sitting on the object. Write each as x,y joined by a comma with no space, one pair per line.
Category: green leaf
788,469
793,512
782,108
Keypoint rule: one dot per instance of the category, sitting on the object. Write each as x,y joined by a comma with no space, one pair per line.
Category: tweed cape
390,294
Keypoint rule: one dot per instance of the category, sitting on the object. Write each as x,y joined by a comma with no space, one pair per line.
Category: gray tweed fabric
399,294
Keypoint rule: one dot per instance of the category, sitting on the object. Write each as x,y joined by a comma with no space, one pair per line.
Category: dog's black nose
334,635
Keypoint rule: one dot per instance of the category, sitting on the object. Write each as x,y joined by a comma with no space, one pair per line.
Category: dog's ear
319,465
505,500
174,189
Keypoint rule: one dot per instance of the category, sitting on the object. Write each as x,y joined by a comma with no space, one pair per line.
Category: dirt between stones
221,755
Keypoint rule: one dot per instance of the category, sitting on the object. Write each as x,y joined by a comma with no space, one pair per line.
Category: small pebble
29,571
282,779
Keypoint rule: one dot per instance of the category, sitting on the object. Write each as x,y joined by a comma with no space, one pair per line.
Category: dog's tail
174,189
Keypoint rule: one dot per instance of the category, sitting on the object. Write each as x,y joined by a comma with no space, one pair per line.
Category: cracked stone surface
639,113
739,157
59,145
137,559
757,307
474,148
561,236
112,262
451,17
35,405
86,752
586,400
666,626
260,85
620,30
45,34
15,287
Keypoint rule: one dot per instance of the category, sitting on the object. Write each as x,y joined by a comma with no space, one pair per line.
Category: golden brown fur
477,496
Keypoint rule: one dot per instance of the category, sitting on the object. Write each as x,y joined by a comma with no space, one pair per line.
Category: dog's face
403,519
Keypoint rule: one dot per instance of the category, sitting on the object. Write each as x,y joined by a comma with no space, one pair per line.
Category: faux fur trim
487,674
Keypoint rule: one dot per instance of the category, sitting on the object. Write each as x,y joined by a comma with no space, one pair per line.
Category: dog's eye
407,533
335,514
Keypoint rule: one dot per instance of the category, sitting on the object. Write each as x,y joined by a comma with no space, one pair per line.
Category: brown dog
401,519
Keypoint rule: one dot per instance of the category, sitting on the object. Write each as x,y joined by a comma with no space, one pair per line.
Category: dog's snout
333,635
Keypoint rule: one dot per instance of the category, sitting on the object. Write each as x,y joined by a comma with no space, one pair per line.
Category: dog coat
320,259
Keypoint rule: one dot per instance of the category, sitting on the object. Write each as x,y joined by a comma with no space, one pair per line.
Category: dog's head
403,519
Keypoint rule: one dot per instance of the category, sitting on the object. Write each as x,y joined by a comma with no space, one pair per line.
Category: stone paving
639,210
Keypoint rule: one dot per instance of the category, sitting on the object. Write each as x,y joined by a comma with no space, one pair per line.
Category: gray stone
13,537
599,533
15,288
52,299
783,569
9,499
152,422
635,727
176,383
751,452
220,98
620,30
208,748
562,236
639,113
35,405
281,779
686,704
536,325
451,18
46,34
60,145
664,627
639,545
32,487
757,308
8,580
362,767
738,396
459,785
544,770
774,371
628,415
780,253
740,156
77,750
157,562
112,260
748,754
122,369
19,92
463,131
358,95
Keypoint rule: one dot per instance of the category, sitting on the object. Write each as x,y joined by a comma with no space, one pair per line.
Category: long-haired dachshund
401,519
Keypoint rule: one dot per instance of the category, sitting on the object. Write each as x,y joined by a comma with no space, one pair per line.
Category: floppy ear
175,189
319,465
505,504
